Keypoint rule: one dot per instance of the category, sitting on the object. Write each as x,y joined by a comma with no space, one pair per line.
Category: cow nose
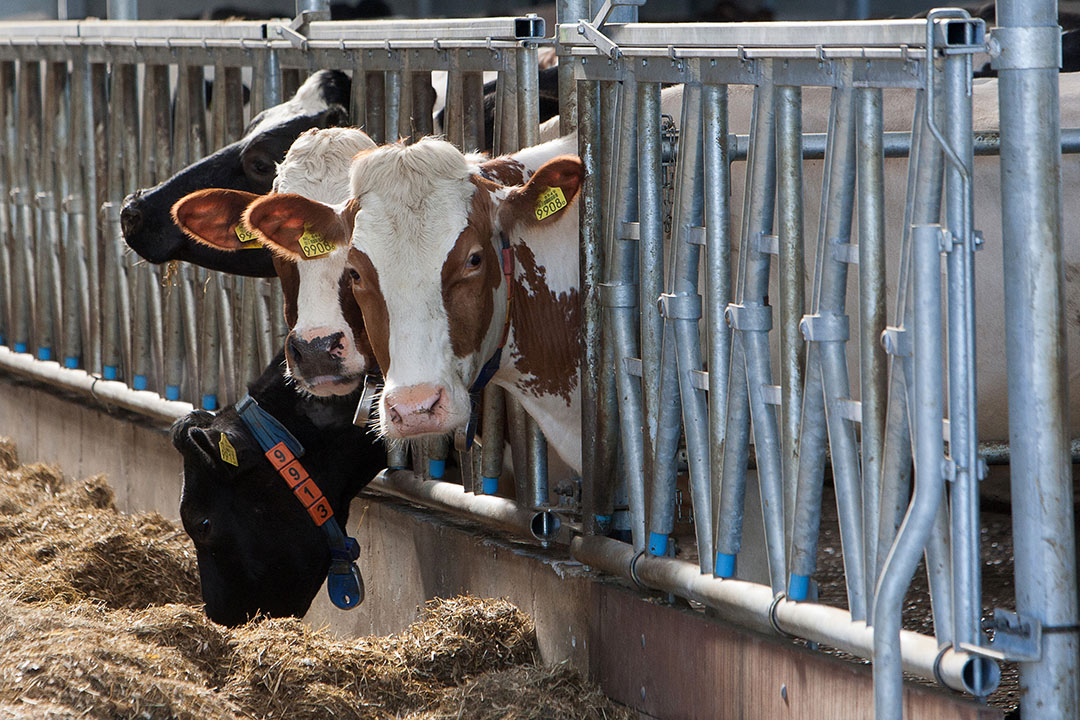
296,347
417,408
131,218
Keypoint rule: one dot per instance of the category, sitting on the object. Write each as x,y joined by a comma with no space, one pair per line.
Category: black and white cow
249,165
258,549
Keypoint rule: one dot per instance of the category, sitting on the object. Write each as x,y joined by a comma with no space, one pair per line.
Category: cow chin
326,384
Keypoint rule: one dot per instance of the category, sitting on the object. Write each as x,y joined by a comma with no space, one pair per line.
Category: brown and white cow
326,350
426,225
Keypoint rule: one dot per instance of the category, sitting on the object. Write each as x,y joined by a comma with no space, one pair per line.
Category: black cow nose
131,217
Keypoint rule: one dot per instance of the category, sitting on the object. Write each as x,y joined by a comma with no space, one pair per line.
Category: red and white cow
426,224
327,349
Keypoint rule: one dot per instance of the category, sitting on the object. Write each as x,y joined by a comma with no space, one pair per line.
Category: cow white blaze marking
308,100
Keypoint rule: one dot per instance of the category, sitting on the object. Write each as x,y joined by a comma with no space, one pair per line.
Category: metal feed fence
709,366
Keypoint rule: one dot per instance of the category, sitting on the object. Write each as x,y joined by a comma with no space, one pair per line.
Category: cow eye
473,261
353,275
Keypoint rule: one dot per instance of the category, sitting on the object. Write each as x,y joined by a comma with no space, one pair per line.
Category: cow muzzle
416,410
324,364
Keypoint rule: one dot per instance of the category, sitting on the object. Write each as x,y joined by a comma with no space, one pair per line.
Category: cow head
247,165
426,270
257,548
327,348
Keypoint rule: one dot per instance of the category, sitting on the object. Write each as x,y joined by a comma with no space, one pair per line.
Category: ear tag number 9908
550,202
313,245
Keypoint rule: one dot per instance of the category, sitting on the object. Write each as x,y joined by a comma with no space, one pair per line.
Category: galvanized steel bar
47,198
568,12
423,100
590,279
506,107
792,306
28,141
1041,475
454,102
374,104
872,301
209,342
494,438
472,116
528,93
751,320
620,297
963,440
536,445
174,346
682,310
8,113
392,104
717,214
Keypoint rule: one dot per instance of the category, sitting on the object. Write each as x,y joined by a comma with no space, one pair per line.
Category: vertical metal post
494,438
472,94
52,158
590,270
620,297
358,109
423,100
871,185
210,331
568,11
8,111
789,218
963,442
528,89
392,105
1032,233
75,295
122,10
374,104
537,464
28,140
322,6
506,107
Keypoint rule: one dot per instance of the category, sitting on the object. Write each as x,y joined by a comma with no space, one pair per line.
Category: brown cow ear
549,191
295,227
212,217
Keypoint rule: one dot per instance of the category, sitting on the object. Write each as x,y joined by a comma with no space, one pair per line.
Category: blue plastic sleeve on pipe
139,382
209,402
725,565
172,392
2,339
20,347
71,362
44,353
489,485
109,372
658,544
436,469
798,587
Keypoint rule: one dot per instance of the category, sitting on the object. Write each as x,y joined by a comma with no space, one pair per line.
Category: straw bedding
100,618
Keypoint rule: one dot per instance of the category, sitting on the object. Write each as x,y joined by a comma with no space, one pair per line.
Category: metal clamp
619,295
825,327
843,251
896,341
680,307
1016,638
749,318
1025,48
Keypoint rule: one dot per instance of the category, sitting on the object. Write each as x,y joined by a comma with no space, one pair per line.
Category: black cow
258,549
247,164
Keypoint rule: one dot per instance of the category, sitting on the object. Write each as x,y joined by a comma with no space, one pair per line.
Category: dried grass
99,618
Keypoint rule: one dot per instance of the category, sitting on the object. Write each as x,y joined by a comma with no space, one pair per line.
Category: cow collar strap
283,450
492,365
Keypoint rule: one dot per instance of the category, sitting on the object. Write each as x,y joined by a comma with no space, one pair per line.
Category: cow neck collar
492,365
281,448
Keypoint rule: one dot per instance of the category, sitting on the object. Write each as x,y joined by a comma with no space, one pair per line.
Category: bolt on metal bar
790,243
872,302
1038,369
621,300
717,220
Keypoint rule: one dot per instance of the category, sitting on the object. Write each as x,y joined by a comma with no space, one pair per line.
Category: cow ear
549,191
212,217
298,228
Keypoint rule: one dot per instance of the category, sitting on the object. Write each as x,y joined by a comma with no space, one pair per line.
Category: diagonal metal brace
591,31
294,31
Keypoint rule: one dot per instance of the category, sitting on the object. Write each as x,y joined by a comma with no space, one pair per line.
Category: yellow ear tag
228,452
550,202
248,240
313,245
